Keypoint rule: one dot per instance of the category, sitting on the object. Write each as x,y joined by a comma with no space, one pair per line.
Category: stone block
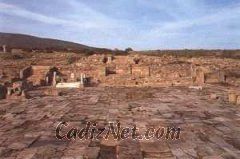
196,87
213,157
17,146
27,154
103,71
92,152
111,142
214,96
238,100
109,59
232,97
69,85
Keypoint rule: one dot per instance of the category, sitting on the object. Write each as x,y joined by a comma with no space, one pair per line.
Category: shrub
12,56
71,60
128,49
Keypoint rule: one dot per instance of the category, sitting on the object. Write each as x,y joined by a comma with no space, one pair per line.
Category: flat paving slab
210,127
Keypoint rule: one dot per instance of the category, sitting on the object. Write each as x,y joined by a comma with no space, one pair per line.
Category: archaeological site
120,79
195,92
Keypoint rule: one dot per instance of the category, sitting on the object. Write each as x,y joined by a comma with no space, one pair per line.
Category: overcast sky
140,24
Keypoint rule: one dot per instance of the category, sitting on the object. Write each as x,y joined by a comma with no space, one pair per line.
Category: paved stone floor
210,128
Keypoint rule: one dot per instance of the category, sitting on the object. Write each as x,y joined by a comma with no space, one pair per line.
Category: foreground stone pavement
210,127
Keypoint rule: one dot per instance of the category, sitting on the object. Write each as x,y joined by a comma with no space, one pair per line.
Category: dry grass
193,53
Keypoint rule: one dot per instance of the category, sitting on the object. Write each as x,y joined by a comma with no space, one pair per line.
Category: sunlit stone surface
210,127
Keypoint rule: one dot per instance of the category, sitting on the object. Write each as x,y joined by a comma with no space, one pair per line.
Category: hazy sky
140,24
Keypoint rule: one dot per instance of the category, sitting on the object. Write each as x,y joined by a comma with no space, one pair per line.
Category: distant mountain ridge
23,41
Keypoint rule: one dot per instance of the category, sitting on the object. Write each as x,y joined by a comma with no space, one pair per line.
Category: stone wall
140,71
123,70
233,77
17,51
215,77
26,72
199,77
3,92
39,74
103,71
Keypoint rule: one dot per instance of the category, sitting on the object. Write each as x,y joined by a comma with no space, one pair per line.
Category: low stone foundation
69,85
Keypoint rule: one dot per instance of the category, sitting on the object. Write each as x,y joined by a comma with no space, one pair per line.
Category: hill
28,42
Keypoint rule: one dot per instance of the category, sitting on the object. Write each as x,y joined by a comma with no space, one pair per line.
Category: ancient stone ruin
5,49
18,90
136,70
200,95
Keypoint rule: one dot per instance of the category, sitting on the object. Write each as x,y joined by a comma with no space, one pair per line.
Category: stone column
47,80
4,47
130,69
84,79
9,91
23,94
110,58
191,69
81,79
72,76
149,71
54,82
103,71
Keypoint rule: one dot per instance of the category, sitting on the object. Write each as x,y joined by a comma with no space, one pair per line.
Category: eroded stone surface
209,128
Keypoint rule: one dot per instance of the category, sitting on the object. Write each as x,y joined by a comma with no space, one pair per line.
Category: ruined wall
208,75
123,70
171,72
17,51
140,71
3,92
199,77
26,72
233,77
215,77
103,71
39,74
89,70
